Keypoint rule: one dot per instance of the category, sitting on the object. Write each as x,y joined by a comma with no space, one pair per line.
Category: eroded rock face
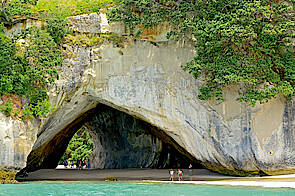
89,23
144,79
16,141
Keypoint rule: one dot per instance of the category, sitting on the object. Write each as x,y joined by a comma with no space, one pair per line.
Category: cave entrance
119,141
78,151
122,141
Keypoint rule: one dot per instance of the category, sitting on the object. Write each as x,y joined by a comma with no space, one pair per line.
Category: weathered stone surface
145,80
16,141
89,23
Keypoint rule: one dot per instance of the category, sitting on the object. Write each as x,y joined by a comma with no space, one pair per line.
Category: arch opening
78,151
119,141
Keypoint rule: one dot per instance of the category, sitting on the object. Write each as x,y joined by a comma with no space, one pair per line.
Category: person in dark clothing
77,164
190,172
80,164
65,163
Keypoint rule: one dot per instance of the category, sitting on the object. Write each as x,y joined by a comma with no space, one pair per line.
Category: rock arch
120,141
144,79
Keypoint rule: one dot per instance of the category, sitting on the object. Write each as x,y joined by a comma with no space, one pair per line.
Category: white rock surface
89,23
16,141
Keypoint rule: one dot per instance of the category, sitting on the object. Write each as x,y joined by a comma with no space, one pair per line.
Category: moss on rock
7,177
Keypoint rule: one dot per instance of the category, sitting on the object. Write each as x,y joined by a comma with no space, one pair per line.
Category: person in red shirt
180,175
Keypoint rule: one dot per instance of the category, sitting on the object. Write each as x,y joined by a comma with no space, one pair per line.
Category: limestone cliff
143,78
16,141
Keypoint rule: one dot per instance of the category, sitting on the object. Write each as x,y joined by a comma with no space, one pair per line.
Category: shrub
31,73
17,8
7,108
56,23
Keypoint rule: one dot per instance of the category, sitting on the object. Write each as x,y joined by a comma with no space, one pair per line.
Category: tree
79,148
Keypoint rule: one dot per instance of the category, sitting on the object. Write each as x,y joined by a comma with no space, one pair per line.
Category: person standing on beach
180,175
171,172
190,172
83,164
65,163
80,164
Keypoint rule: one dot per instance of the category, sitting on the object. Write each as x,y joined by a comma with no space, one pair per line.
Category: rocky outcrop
89,23
144,79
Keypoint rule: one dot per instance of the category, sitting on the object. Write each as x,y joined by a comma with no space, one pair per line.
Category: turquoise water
92,188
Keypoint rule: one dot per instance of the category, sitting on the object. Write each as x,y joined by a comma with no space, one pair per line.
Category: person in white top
171,172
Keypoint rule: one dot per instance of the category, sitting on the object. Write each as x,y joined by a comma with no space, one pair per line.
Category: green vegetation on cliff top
245,43
73,7
13,9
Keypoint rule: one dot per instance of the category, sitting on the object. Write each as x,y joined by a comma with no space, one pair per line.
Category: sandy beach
119,174
200,176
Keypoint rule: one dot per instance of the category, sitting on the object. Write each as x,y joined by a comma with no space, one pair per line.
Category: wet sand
266,184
